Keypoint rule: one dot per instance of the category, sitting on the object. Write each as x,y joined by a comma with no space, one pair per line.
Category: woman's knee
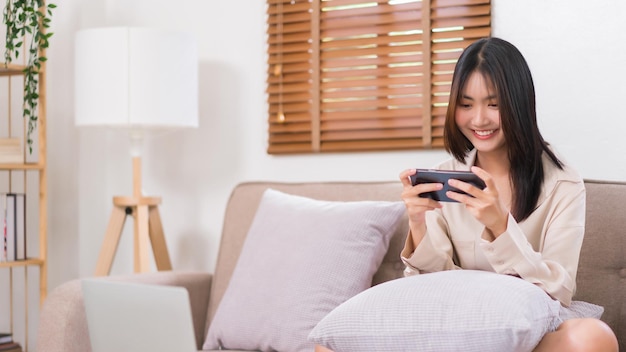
588,334
319,348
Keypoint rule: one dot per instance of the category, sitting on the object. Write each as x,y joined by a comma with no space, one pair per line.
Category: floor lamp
142,81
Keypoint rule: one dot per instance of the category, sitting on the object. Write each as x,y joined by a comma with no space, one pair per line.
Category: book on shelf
5,337
11,347
8,253
10,226
7,344
20,226
13,226
4,255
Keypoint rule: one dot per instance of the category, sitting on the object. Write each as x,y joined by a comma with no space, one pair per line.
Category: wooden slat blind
356,75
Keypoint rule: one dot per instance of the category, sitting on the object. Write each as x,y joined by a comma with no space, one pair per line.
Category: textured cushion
581,309
301,258
458,310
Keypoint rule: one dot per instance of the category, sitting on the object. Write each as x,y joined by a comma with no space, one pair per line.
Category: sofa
601,276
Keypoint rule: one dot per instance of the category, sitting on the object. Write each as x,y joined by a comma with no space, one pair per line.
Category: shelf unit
37,260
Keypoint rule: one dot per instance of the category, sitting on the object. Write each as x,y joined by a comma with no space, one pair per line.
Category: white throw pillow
301,258
457,310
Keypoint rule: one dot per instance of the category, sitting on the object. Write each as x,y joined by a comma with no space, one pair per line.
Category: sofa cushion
301,258
458,310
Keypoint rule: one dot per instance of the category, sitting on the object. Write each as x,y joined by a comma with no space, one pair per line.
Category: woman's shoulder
565,180
565,173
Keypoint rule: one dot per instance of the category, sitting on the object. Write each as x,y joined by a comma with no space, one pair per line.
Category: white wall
575,50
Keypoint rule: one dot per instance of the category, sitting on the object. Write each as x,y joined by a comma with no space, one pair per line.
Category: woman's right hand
417,206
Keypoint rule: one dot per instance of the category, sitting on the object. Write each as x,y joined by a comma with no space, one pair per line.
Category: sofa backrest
602,268
601,277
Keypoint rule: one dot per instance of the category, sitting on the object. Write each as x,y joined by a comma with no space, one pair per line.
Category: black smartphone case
442,176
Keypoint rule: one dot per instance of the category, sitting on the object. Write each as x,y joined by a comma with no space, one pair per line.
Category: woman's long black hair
505,68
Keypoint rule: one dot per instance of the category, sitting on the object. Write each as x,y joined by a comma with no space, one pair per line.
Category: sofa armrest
62,321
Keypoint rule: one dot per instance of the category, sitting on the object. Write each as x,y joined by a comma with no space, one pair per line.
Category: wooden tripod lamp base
148,231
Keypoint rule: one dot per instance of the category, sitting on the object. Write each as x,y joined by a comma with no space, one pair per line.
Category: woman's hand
485,205
417,206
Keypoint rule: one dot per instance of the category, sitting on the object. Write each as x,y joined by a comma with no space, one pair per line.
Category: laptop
132,317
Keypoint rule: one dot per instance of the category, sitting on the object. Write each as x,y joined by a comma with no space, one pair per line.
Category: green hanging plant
30,17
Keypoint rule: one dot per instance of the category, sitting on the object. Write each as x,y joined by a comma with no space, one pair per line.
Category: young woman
529,220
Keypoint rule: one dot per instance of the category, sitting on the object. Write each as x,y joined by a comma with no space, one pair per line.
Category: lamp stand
148,230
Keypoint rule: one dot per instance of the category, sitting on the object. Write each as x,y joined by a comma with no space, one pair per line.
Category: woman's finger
485,176
405,177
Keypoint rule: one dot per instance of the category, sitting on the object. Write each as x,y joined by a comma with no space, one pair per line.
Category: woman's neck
499,167
495,163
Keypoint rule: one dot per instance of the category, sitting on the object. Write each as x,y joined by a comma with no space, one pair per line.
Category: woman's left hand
485,205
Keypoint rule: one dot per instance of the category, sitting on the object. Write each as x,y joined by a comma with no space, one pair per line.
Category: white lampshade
136,78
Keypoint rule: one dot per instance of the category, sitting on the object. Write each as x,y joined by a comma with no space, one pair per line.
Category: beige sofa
601,275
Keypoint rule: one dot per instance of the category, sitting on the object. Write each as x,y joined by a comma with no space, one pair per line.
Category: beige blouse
543,249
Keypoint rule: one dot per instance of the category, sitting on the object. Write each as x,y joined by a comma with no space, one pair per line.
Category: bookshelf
28,177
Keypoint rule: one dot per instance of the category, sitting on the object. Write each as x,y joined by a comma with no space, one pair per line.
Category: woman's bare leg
585,334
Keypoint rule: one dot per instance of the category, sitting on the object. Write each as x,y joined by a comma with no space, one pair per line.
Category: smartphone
442,176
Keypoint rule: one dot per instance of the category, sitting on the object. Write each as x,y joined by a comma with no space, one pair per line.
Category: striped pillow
458,310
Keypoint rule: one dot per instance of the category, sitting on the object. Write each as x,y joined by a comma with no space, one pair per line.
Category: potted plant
31,18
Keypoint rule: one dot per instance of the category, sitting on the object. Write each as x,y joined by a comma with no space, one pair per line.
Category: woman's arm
434,252
554,265
421,251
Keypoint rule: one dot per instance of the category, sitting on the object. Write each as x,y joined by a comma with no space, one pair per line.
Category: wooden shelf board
11,69
26,166
21,263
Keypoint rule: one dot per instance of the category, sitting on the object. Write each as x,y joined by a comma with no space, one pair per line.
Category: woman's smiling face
478,117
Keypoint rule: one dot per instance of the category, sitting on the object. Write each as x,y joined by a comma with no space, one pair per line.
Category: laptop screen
123,316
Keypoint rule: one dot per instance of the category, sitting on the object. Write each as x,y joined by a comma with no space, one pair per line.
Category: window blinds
357,75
